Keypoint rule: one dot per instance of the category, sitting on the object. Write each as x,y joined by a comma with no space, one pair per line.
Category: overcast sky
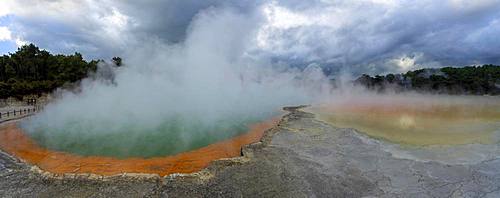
364,36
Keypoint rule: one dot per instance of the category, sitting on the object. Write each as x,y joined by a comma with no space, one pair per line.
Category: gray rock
301,157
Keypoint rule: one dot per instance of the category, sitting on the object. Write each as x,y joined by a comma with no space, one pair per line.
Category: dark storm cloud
383,36
101,29
368,36
170,19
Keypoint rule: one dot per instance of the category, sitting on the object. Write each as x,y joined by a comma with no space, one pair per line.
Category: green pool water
172,136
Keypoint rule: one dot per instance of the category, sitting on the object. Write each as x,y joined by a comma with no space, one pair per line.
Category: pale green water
171,137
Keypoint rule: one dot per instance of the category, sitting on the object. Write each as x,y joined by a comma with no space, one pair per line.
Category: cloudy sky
363,36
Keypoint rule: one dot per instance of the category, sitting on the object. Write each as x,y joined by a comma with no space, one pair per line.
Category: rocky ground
302,157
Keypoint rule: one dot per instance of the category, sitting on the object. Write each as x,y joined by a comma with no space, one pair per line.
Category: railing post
8,113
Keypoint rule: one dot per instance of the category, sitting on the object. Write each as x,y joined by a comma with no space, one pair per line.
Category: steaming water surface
432,121
134,140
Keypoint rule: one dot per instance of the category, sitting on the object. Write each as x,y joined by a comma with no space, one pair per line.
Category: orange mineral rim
15,142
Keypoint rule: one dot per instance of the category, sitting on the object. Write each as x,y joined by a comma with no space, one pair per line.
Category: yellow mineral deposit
418,122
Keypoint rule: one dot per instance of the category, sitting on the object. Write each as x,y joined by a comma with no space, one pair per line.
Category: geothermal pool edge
246,154
300,157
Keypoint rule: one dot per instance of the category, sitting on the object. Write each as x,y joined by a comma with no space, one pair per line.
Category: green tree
30,70
117,61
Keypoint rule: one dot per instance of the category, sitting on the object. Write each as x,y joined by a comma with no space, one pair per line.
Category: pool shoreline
17,144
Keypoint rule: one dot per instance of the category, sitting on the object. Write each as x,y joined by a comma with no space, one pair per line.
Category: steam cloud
368,36
215,74
203,82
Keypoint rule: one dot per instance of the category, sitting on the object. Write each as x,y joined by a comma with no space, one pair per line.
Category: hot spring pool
170,137
419,121
16,142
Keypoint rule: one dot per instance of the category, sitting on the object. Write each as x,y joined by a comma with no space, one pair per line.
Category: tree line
477,80
31,70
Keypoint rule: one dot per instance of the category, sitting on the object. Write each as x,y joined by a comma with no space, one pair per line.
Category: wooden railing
6,115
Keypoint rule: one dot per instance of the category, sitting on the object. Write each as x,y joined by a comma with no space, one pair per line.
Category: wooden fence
6,115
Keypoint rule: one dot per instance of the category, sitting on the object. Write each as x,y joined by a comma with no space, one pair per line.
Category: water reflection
422,121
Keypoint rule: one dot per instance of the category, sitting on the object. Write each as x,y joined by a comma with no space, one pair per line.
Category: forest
475,80
31,70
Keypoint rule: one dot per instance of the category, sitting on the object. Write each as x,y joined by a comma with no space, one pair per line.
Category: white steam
206,79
